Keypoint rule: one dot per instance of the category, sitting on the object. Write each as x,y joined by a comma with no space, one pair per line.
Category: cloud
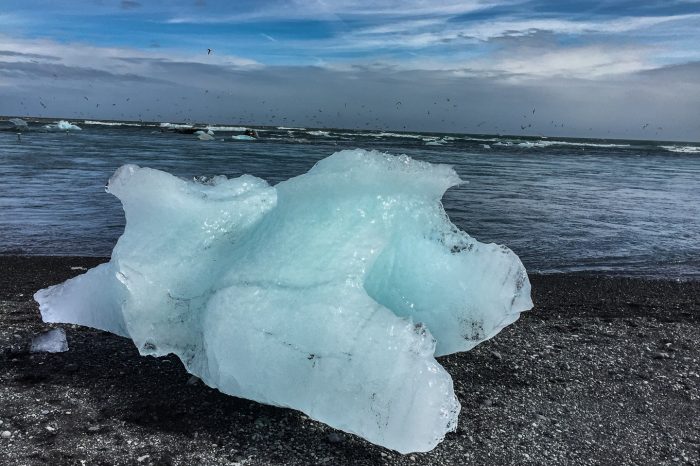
604,73
10,53
129,4
22,71
341,10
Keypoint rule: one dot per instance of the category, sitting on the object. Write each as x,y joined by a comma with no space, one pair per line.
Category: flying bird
208,51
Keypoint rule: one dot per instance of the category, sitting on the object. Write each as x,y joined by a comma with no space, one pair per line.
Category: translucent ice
62,125
330,293
53,341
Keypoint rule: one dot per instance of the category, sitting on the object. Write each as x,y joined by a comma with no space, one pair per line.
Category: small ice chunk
63,125
53,341
18,123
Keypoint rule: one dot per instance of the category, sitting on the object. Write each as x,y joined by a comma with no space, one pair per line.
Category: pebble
496,355
93,428
193,380
6,434
141,459
334,437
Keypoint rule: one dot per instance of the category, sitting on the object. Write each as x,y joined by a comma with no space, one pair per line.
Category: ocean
563,205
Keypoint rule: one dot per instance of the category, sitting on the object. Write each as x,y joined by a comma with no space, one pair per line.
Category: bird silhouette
208,51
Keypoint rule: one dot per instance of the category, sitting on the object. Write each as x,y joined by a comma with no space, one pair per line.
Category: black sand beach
604,370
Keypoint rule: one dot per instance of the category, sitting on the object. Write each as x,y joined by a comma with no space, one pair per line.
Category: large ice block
330,293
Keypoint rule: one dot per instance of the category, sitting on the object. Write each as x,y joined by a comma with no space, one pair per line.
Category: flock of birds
348,116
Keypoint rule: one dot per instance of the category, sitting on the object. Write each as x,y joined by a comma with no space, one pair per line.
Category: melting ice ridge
330,293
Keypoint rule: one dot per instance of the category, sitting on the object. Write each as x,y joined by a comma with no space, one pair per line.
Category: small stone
45,412
6,434
193,380
143,458
496,355
51,429
93,428
334,437
661,355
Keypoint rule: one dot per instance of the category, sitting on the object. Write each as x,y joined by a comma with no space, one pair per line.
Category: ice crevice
330,293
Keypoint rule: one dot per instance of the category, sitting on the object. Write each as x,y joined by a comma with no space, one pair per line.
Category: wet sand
604,370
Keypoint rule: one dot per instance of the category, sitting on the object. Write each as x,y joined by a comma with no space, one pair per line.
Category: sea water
562,205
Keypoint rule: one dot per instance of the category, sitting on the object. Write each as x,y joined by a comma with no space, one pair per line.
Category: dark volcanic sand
602,371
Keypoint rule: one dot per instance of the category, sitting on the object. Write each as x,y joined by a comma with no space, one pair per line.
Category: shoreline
604,369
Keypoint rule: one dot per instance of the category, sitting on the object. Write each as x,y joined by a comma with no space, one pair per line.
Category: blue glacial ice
330,293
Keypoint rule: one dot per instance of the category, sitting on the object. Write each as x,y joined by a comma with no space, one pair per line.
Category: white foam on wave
480,139
291,128
226,128
174,125
319,133
540,144
109,123
383,135
683,149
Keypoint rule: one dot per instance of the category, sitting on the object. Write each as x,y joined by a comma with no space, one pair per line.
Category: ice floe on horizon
62,125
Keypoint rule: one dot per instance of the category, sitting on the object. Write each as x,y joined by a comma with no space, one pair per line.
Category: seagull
208,51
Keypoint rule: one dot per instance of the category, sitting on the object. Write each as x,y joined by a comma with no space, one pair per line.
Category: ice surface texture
330,293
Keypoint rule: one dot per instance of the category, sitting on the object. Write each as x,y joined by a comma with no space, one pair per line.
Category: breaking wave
226,128
683,149
540,144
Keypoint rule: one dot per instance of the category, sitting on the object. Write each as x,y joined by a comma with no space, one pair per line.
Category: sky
607,69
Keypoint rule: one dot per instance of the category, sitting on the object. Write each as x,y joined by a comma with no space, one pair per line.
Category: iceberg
330,293
52,341
63,125
18,123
